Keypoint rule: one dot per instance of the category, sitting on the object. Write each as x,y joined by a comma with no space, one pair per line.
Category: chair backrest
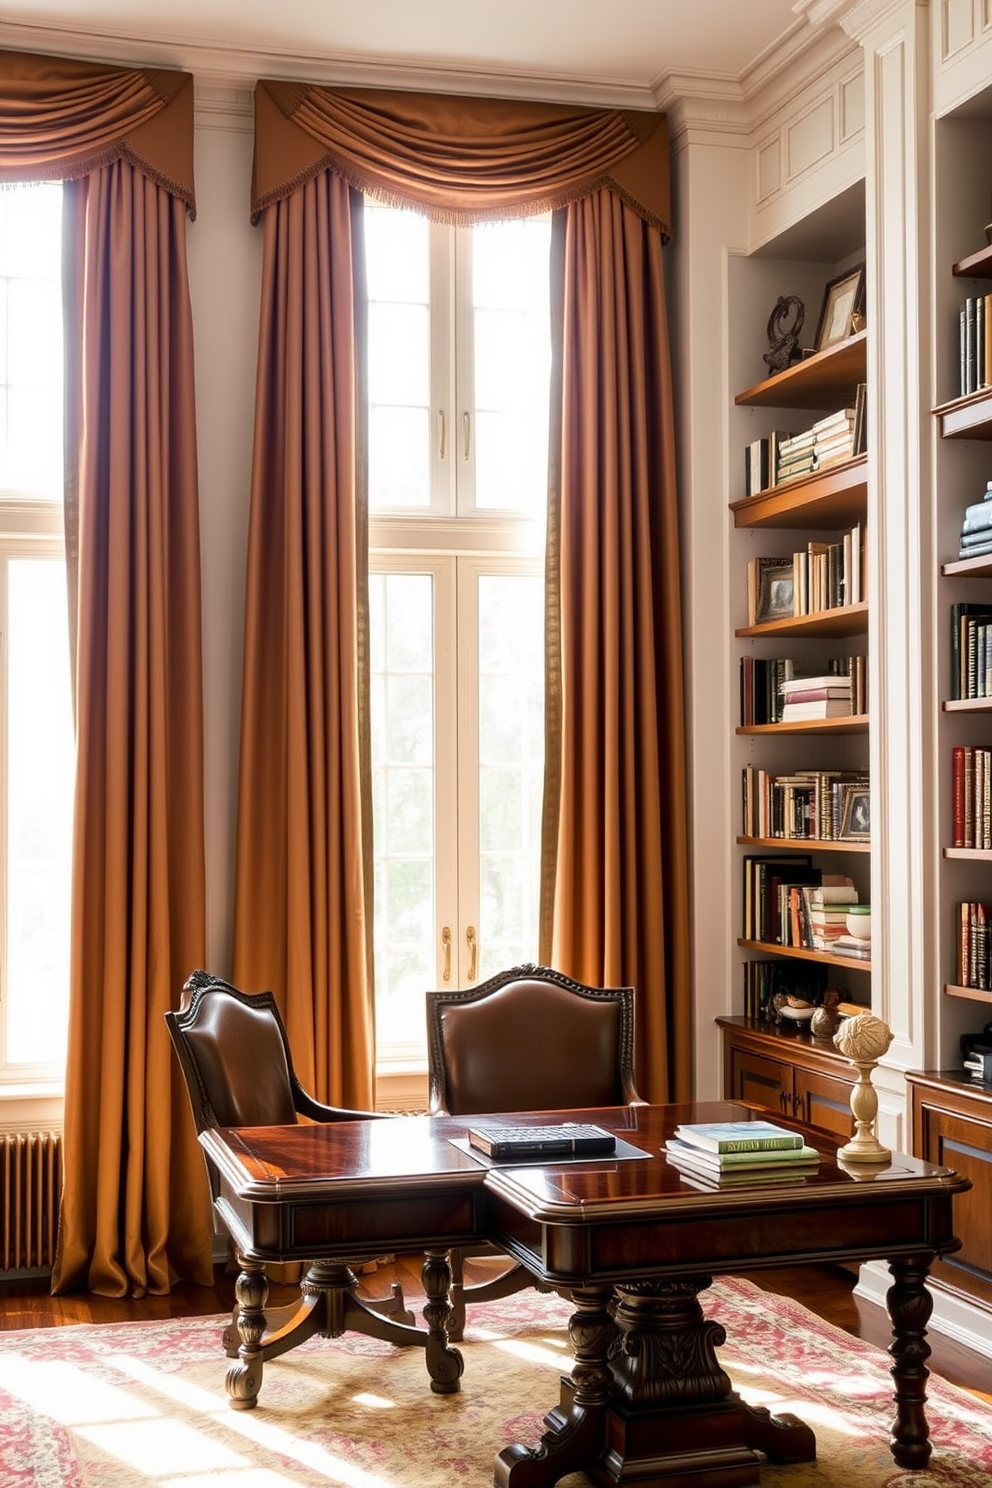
530,1039
234,1055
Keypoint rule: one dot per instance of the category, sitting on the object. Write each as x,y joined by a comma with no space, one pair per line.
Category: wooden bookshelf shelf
968,854
971,994
845,620
806,844
827,379
975,266
798,953
966,418
854,723
962,568
967,705
828,498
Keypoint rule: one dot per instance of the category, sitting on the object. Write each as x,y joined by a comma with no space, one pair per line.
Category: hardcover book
737,1136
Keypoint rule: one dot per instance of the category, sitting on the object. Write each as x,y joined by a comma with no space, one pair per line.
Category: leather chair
236,1061
528,1039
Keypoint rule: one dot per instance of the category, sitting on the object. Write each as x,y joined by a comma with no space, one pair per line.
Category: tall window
459,360
36,743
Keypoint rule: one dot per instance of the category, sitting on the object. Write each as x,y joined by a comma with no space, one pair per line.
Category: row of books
974,941
974,343
976,527
971,651
805,804
718,1153
771,685
782,455
971,796
824,576
790,901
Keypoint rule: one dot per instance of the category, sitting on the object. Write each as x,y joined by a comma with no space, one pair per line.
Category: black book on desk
567,1139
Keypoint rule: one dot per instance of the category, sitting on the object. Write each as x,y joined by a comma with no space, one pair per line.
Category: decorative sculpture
783,337
826,1020
863,1040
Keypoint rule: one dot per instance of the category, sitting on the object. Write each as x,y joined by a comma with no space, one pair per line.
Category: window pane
511,767
401,617
39,812
398,277
512,362
30,340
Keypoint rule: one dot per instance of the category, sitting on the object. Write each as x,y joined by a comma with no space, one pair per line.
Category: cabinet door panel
762,1082
967,1147
824,1102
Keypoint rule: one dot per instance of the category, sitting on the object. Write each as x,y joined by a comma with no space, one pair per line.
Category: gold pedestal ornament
863,1040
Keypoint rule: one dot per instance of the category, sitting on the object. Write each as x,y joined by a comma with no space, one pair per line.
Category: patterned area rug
144,1403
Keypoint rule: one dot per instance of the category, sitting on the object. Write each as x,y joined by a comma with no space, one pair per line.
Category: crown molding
233,64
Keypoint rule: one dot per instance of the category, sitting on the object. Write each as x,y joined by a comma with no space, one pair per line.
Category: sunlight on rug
144,1403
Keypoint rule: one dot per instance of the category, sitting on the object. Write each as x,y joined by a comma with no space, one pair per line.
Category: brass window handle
473,947
446,947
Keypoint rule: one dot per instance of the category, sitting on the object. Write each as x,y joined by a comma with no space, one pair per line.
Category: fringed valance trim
457,160
60,119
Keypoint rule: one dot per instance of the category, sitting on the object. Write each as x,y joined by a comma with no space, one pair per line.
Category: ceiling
629,48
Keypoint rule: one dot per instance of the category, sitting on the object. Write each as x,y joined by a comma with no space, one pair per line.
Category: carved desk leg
444,1363
910,1305
576,1434
673,1409
244,1378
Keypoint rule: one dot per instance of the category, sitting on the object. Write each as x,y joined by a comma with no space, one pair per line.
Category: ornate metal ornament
784,325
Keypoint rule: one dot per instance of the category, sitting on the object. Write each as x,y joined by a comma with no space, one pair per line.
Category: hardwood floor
827,1291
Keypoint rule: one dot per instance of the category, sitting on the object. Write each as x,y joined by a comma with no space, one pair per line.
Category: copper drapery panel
60,119
135,1209
615,884
300,899
616,867
457,159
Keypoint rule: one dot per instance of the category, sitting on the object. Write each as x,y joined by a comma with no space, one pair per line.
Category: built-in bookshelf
788,526
963,466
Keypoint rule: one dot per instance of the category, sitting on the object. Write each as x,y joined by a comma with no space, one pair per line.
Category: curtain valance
61,119
457,159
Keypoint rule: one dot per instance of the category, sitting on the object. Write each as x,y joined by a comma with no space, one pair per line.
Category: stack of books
722,1152
827,909
833,438
976,528
816,697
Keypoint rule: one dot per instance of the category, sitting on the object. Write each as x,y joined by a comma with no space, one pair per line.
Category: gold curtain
135,1209
61,118
457,159
134,1206
615,861
303,848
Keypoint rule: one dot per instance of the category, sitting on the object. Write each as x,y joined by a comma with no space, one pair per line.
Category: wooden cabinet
789,1074
952,1124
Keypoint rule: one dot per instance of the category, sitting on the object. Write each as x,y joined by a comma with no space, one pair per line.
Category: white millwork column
894,39
710,171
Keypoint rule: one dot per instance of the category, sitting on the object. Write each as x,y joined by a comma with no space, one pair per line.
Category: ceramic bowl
859,921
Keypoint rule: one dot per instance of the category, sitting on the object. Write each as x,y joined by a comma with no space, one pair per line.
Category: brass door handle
473,948
446,947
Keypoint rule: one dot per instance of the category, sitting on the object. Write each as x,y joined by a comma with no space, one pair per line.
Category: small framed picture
843,300
776,593
855,823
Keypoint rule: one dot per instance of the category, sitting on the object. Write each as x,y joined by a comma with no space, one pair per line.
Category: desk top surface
349,1160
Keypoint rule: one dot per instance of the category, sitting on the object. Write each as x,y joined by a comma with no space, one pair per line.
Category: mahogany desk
647,1401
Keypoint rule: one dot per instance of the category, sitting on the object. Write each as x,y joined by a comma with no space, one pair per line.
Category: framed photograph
775,593
855,823
843,299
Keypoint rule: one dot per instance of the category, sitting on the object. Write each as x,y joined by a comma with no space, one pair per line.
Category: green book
716,1162
737,1136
